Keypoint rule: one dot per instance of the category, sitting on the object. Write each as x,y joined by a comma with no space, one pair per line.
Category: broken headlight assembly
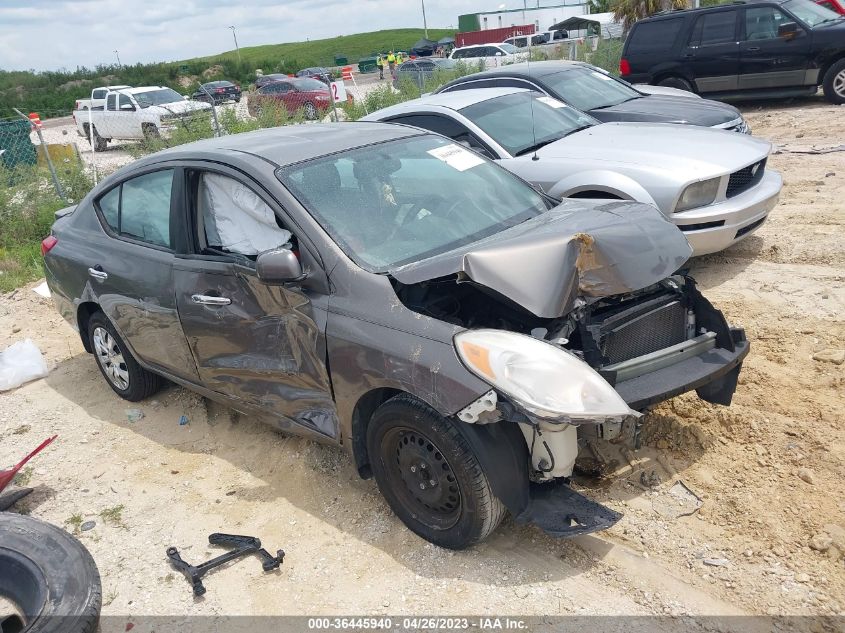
546,381
698,194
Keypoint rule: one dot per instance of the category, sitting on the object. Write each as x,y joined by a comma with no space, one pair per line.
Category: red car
836,6
310,95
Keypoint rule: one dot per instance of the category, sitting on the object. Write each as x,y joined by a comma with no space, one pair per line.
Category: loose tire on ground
834,83
676,82
410,446
117,365
49,576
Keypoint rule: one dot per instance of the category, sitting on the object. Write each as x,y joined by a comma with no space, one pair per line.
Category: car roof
682,12
457,100
289,144
523,69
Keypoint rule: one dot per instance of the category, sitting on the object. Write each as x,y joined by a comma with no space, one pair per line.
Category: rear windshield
588,89
306,83
654,37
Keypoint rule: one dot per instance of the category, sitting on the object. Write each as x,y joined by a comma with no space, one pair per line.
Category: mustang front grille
745,178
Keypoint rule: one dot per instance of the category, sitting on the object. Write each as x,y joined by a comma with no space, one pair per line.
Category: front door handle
98,273
753,49
208,300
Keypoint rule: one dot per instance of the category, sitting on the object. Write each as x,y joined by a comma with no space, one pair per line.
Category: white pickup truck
136,113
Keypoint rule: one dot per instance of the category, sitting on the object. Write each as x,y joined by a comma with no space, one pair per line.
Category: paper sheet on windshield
551,102
457,157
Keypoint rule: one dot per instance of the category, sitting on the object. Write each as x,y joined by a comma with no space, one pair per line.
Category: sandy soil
769,537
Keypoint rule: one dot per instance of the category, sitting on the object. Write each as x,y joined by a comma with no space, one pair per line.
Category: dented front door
256,343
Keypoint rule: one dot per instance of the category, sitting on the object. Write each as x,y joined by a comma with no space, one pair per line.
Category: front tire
150,132
429,475
117,364
834,83
310,111
676,82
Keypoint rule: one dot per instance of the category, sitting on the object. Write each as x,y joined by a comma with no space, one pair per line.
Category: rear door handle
98,273
207,300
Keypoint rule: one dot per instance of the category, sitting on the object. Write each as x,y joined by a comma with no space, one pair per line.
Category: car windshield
508,48
810,13
588,89
524,121
308,84
157,97
405,200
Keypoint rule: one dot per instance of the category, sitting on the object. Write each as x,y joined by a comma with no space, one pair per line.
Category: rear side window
98,94
654,37
140,208
718,27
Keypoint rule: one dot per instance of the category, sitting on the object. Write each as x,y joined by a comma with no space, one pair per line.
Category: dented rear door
258,344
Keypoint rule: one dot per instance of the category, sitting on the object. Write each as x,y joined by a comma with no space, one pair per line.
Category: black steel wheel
429,475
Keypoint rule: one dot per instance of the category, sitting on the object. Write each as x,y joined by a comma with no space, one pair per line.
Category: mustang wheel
429,475
120,369
834,82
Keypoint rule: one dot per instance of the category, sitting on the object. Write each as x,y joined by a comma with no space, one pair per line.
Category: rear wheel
429,475
676,82
100,144
834,83
120,369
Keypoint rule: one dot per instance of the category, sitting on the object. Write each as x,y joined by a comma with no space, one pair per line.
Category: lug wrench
243,545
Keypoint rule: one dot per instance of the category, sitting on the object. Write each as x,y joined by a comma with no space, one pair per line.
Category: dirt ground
768,539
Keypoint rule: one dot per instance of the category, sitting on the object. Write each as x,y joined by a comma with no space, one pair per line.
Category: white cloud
53,34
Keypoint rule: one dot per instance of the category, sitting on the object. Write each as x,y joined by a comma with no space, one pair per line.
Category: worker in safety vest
391,62
380,64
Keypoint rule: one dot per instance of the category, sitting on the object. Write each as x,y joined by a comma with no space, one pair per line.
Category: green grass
322,52
23,477
113,515
75,521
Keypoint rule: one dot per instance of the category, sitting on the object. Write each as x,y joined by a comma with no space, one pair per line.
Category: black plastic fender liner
558,510
501,451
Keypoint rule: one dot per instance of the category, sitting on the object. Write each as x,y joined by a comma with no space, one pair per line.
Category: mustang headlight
698,194
545,380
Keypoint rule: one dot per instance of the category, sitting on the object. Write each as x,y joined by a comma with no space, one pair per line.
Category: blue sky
52,34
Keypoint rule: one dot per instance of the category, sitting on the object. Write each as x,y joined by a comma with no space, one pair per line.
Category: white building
541,17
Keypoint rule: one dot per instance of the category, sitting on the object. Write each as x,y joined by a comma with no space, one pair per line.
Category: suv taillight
624,67
47,244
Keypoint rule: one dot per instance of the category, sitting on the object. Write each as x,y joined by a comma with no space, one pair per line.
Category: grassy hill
322,52
52,93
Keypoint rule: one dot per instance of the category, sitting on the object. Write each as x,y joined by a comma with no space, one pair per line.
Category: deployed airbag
580,248
236,219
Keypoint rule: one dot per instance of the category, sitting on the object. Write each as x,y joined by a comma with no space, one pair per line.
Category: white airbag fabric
240,219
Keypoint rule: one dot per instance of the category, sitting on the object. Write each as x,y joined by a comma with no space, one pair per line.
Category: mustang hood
579,248
666,109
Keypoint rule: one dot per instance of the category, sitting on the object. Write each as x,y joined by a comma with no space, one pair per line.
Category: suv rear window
654,37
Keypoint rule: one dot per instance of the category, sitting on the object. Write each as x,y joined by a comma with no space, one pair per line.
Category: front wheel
676,82
310,111
117,364
834,83
430,476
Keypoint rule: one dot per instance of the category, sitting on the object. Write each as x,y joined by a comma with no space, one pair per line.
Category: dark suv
757,48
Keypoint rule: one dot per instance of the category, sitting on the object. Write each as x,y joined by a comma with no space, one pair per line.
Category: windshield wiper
539,144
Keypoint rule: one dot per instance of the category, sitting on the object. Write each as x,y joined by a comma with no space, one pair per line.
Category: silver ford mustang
713,184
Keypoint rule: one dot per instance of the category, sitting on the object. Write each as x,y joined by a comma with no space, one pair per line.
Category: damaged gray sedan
384,289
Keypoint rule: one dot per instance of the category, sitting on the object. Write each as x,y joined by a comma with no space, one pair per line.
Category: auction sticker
551,102
456,157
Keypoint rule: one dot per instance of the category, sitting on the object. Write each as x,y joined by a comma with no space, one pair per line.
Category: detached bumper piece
560,511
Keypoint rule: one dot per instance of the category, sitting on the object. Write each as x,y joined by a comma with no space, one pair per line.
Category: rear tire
117,364
676,82
429,475
49,576
100,144
834,83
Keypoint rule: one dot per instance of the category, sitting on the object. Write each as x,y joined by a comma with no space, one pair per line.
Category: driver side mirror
278,267
788,30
